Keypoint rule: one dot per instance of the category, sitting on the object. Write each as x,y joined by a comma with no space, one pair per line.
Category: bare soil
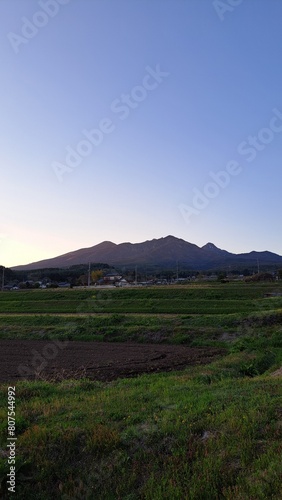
29,359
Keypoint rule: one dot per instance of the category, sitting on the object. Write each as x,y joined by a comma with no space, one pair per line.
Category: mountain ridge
164,252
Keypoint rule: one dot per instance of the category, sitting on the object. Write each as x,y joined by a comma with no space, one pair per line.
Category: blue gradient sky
225,79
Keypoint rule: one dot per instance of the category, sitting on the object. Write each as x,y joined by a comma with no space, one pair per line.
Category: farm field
31,359
192,315
154,393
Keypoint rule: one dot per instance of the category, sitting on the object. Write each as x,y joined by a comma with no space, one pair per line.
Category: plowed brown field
95,360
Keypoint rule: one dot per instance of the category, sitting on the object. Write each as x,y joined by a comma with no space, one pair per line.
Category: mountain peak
210,246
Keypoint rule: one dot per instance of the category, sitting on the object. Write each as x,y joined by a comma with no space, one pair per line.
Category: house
112,277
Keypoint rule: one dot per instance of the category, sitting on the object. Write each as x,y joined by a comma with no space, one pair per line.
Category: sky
128,120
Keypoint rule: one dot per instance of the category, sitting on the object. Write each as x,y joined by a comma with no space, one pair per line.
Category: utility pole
258,265
89,274
177,270
135,275
3,278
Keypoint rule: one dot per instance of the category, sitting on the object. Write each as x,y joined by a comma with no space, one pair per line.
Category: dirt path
95,360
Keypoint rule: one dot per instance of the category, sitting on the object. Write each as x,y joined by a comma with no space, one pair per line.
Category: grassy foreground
205,433
208,432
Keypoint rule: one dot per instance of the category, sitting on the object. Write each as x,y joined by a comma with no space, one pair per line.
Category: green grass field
206,433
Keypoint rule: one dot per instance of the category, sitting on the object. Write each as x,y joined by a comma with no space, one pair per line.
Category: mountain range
162,252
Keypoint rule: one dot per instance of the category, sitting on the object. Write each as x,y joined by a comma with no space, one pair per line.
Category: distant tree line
70,274
78,274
